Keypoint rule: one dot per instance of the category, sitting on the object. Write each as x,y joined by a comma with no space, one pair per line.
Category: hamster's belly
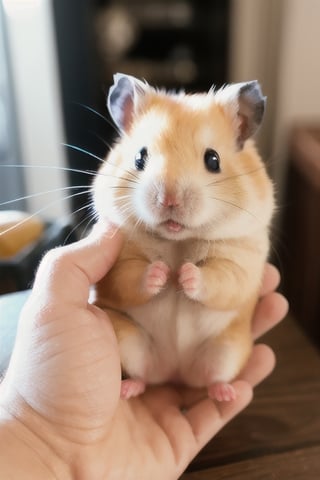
177,328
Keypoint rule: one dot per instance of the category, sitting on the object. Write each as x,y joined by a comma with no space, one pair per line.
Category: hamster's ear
246,104
123,98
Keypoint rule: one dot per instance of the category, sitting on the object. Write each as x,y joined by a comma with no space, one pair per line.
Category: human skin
61,415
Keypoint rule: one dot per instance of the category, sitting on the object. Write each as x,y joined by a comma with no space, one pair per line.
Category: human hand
61,394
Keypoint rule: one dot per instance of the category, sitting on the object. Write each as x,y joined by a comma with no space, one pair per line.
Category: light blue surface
10,307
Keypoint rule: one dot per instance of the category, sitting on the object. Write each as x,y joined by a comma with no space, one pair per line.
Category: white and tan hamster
188,189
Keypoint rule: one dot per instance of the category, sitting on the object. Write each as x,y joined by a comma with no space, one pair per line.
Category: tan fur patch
218,221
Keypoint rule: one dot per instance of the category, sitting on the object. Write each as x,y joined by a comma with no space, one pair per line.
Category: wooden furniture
300,249
278,435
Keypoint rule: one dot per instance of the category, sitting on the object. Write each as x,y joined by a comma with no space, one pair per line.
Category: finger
206,418
66,273
270,310
271,279
159,397
259,366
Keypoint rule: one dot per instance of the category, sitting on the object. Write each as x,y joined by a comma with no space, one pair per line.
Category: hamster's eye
212,160
141,158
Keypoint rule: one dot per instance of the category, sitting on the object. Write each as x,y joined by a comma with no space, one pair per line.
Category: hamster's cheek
104,204
107,213
143,207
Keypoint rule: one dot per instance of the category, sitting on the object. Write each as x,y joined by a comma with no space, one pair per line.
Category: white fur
180,330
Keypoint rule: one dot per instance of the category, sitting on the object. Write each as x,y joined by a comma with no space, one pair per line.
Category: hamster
190,193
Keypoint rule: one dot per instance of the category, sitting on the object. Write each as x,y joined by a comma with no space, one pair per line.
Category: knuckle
55,258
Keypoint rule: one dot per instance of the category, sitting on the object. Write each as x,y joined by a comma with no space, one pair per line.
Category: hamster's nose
168,200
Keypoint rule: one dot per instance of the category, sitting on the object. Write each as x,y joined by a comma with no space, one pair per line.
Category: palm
165,426
66,367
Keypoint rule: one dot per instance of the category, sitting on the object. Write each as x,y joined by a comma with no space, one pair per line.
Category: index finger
271,279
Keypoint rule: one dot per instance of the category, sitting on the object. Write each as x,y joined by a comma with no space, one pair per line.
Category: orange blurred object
17,231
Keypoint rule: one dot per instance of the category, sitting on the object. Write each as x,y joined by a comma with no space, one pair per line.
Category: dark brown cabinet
301,229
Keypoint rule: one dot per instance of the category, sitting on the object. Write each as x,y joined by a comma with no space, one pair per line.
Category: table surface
278,435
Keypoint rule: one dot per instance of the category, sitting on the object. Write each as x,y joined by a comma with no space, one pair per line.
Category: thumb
66,273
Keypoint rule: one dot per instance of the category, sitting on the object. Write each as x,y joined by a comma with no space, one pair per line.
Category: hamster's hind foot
131,388
222,392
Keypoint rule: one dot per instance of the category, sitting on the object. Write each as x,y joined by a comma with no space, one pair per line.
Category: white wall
38,104
278,41
254,52
298,72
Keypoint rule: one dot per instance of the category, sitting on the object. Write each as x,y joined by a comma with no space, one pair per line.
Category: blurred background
57,59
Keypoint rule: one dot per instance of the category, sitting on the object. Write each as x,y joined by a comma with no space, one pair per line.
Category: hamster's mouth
172,226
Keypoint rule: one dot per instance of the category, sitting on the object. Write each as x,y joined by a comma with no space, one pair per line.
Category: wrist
24,454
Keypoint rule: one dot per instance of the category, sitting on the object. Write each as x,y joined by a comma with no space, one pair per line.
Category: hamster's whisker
82,150
90,215
124,201
250,172
53,167
125,210
92,218
124,197
229,190
110,175
124,187
125,207
83,105
103,174
91,173
39,194
125,179
107,162
236,206
85,206
50,204
92,110
135,226
108,145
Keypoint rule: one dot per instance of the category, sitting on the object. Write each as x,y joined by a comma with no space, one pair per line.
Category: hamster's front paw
156,277
190,278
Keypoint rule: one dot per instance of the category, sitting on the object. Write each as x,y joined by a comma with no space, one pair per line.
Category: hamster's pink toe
222,392
131,388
